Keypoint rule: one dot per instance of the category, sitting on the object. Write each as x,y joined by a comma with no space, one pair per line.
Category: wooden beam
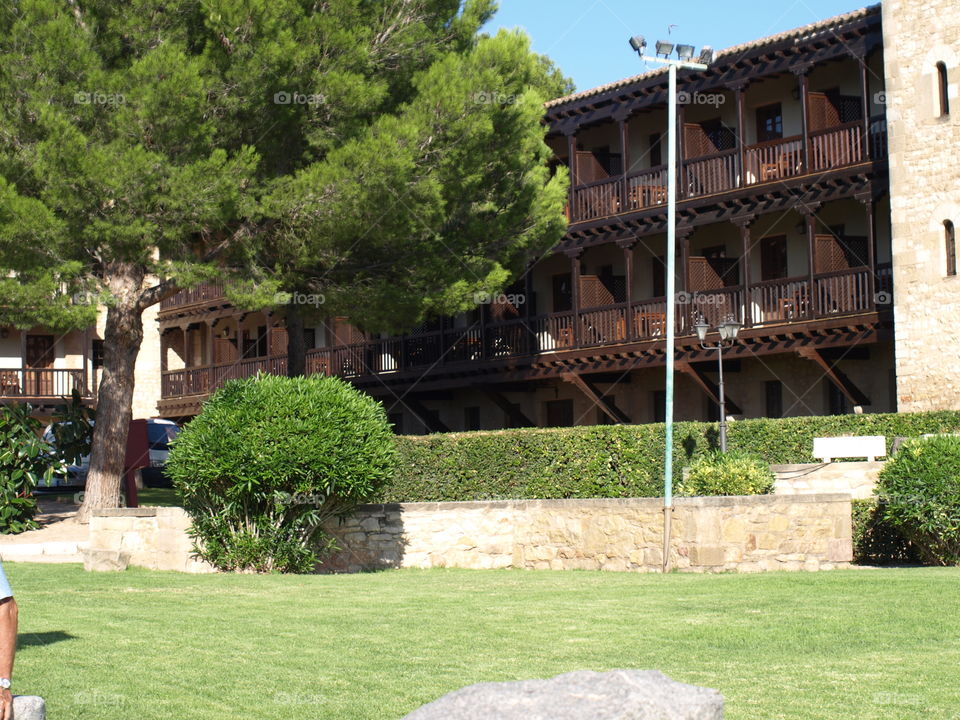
836,376
599,399
429,419
516,415
709,387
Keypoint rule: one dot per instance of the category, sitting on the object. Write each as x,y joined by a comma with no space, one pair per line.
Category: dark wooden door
773,257
38,356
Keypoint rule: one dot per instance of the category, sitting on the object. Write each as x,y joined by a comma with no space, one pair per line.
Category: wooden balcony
790,302
41,384
200,295
773,161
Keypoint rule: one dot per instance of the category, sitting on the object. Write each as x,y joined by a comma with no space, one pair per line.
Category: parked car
159,434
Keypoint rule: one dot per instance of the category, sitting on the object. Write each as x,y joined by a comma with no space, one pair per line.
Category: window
769,122
659,406
562,293
656,150
396,419
773,257
471,418
836,400
950,238
559,413
774,393
943,89
96,355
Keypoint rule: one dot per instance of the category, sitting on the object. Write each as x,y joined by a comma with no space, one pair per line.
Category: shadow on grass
26,640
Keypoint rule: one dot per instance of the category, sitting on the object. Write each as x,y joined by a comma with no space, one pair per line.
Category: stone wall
856,478
924,177
151,537
746,534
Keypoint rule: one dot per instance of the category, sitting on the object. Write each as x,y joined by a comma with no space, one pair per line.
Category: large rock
29,707
580,695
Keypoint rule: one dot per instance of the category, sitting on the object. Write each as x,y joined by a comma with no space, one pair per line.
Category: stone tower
921,40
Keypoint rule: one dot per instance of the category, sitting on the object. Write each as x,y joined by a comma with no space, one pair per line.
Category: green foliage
269,460
614,460
733,473
875,540
920,490
25,462
73,430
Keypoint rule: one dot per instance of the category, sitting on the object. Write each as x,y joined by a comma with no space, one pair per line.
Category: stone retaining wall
150,537
856,478
747,534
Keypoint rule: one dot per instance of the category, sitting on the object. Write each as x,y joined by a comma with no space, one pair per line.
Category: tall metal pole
671,310
723,402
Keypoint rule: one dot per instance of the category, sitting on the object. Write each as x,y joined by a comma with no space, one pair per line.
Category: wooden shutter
695,141
823,113
703,276
589,168
829,254
278,341
593,293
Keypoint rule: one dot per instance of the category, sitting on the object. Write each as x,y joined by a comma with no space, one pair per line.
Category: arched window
942,88
951,246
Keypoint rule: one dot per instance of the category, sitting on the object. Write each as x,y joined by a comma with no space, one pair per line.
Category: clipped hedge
613,460
875,540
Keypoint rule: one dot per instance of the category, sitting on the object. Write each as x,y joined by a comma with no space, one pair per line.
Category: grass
140,644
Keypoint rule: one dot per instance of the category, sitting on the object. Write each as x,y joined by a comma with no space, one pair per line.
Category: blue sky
588,38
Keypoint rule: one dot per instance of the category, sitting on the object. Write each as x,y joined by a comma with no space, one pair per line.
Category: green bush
920,490
875,540
733,473
269,460
25,461
613,460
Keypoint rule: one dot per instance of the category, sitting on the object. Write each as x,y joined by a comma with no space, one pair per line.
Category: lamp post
684,60
728,330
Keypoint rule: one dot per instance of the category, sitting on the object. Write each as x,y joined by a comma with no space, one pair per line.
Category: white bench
869,446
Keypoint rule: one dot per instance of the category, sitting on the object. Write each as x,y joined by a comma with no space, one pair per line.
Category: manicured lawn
851,644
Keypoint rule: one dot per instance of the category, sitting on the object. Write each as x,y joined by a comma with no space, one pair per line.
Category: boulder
580,695
29,707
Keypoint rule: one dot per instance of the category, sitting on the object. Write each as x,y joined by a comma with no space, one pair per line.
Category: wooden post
628,279
575,294
572,158
805,114
811,220
681,149
625,160
866,152
867,201
683,317
741,134
744,225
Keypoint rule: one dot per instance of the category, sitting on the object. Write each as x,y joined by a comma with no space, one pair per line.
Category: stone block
706,555
614,695
95,560
29,707
840,550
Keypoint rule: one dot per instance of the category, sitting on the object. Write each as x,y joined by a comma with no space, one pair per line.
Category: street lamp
684,53
728,330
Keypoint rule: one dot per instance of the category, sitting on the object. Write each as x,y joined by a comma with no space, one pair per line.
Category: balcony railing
771,302
42,383
781,159
200,294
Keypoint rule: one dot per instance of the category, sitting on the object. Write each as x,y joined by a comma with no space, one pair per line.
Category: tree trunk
123,335
296,343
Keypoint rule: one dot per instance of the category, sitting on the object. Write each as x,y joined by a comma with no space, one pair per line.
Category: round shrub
920,493
269,460
731,473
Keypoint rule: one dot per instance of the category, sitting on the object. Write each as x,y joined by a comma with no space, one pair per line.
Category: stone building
832,251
